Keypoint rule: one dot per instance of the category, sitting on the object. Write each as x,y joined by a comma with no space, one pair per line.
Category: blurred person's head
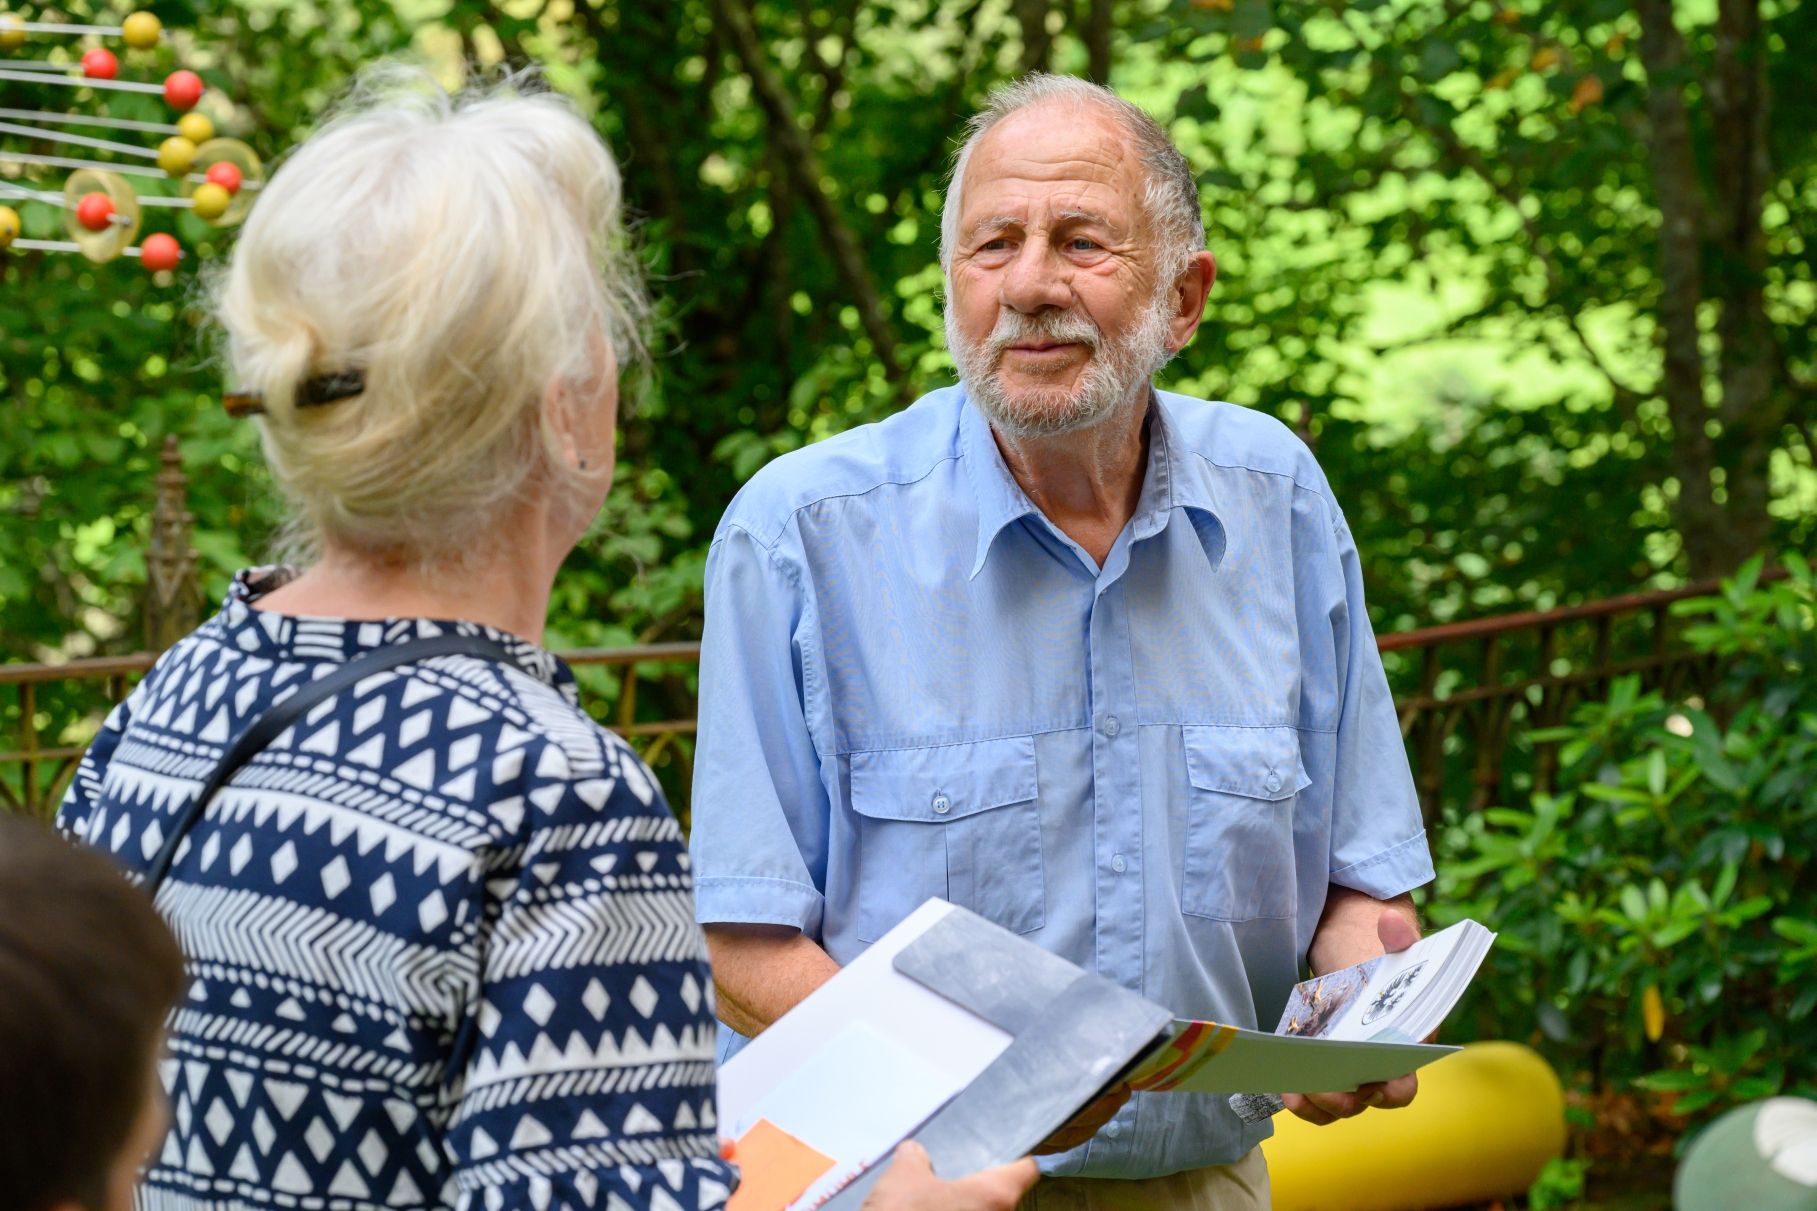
465,257
1074,252
88,972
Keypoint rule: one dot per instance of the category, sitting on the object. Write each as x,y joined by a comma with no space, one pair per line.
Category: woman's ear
559,416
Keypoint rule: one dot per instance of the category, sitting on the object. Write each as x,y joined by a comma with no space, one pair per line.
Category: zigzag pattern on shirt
552,1085
593,834
519,1165
233,1195
692,1043
283,937
640,928
384,1078
622,1189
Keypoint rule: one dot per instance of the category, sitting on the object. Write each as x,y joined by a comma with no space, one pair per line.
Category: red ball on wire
159,252
225,174
182,89
100,64
95,211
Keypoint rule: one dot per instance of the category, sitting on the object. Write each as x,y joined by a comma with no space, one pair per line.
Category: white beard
1113,374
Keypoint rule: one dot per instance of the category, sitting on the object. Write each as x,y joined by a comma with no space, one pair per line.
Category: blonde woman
437,924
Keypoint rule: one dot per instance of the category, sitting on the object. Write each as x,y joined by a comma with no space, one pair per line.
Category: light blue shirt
913,684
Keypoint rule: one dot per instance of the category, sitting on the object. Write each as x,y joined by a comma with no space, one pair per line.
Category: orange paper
776,1166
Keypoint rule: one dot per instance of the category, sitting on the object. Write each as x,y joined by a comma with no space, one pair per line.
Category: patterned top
439,934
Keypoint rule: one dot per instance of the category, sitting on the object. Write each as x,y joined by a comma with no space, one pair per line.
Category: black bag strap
271,724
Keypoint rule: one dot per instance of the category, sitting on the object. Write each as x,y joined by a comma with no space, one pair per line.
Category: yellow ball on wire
140,30
211,201
196,127
12,32
9,226
176,155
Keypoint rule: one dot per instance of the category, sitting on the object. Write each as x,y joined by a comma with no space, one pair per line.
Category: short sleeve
760,808
1378,840
588,1073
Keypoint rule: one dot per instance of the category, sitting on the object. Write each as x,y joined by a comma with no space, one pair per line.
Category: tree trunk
1700,519
1752,412
1037,43
798,155
1097,40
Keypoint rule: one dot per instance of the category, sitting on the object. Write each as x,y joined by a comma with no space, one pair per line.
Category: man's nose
1035,280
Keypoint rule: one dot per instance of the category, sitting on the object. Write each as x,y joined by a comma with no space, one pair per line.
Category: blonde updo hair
467,256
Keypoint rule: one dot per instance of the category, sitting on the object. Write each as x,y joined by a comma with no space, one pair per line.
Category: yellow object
117,235
9,226
252,175
140,31
12,32
198,128
1485,1123
176,155
211,201
1653,1013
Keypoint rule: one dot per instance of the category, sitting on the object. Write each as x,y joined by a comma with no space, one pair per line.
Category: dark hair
88,971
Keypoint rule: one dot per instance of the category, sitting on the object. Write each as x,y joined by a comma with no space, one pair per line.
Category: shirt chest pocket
958,821
1240,792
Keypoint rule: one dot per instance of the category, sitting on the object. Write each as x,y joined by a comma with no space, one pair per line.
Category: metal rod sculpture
217,178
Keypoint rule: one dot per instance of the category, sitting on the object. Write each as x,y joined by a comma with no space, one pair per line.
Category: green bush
1658,910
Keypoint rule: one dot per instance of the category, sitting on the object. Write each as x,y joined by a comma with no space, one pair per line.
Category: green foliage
1436,259
1560,1184
1669,875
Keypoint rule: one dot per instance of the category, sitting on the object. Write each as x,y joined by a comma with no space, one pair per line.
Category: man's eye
1080,243
996,245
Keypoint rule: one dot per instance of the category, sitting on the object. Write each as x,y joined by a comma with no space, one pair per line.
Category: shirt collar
1000,498
1175,478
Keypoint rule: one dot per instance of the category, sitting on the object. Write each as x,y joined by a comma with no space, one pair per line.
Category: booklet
978,1043
1340,1030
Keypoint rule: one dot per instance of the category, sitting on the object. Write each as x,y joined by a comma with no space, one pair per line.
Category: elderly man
1084,657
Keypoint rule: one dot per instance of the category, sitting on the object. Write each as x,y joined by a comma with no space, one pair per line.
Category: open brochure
977,1043
1339,1030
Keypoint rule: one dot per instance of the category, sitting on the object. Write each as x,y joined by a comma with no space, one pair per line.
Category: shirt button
1111,726
942,805
1274,782
1113,1129
1118,864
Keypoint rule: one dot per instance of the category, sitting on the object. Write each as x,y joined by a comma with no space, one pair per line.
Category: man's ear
1191,289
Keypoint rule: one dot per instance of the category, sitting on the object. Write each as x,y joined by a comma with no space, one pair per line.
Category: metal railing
631,690
1469,695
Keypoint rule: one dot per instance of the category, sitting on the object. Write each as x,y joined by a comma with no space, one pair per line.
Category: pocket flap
945,782
1257,762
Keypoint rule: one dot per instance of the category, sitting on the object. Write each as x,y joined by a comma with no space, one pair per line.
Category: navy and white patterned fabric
440,934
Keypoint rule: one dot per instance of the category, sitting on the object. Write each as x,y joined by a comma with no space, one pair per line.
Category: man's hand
1395,932
1083,1125
910,1185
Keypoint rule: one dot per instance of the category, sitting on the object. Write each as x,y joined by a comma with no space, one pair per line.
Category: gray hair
467,254
1170,196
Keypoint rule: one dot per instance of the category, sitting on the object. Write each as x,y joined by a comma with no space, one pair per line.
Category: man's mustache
1016,328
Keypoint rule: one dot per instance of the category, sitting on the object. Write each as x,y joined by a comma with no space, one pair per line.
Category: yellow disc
12,32
211,201
176,155
252,174
117,236
9,226
140,31
198,128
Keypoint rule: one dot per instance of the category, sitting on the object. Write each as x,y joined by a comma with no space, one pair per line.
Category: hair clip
311,393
